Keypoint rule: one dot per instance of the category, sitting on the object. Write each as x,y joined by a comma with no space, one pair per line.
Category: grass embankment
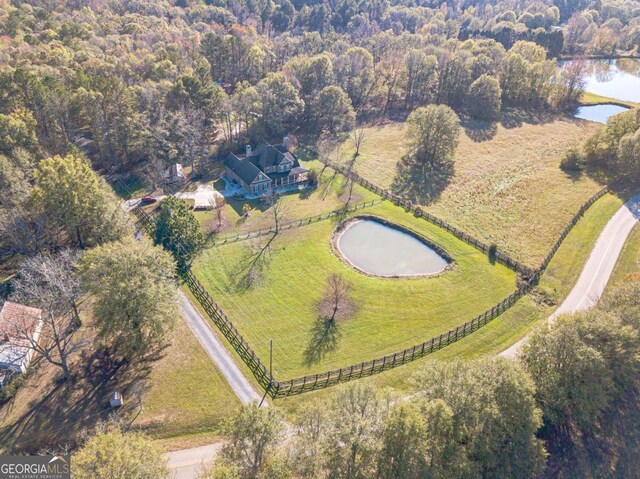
594,99
506,187
628,265
330,194
392,313
529,312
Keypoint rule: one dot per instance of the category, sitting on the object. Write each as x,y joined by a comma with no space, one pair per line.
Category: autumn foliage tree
134,290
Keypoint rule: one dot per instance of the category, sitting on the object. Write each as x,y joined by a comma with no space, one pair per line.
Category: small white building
20,326
116,399
174,174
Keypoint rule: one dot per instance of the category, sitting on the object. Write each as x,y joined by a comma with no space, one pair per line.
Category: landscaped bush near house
312,176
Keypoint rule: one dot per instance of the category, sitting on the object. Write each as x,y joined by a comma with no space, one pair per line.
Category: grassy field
392,313
628,265
508,328
506,186
330,194
185,393
178,397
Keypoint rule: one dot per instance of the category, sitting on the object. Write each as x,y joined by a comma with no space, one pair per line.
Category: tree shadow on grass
479,131
421,184
254,261
515,118
325,337
67,409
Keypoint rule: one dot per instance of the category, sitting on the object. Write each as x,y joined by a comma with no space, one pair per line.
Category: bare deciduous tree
278,210
23,231
217,204
50,283
337,302
358,136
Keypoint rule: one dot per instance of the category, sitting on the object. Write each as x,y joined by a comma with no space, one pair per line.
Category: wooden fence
421,213
293,224
279,389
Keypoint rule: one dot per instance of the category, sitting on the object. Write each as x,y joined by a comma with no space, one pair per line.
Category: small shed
116,399
175,174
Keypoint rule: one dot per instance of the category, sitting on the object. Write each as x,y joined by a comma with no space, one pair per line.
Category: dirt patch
344,197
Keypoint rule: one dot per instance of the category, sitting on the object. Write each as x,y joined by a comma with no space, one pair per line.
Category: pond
381,250
615,78
599,113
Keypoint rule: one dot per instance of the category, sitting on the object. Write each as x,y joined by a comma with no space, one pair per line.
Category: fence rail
585,206
293,224
279,389
421,213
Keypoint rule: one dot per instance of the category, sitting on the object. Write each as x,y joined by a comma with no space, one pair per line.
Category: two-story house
266,169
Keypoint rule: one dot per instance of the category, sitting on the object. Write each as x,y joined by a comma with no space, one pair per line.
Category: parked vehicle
147,200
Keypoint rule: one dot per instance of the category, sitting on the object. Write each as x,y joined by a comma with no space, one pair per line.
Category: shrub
11,387
312,177
571,161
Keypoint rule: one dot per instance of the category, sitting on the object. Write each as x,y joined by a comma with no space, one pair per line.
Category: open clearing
506,187
185,392
391,313
530,311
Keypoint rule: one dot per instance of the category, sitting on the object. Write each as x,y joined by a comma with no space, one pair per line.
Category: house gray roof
245,169
271,155
250,167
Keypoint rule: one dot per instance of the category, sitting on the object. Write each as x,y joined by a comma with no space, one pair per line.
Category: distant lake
618,78
598,113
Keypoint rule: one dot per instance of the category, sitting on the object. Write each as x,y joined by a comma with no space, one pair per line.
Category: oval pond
382,250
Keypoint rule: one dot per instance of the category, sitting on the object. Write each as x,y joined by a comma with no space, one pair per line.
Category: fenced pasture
330,339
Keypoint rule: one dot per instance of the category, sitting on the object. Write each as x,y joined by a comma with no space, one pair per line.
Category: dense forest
136,83
101,89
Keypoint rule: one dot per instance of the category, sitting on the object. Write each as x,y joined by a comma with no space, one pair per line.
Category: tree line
71,241
139,87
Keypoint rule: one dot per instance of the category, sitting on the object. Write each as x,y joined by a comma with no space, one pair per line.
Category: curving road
598,268
216,350
188,463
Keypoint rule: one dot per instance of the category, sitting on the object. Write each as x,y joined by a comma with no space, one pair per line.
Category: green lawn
392,313
185,394
529,312
593,99
628,265
330,194
506,187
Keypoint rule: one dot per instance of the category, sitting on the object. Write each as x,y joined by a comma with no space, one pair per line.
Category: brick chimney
285,142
